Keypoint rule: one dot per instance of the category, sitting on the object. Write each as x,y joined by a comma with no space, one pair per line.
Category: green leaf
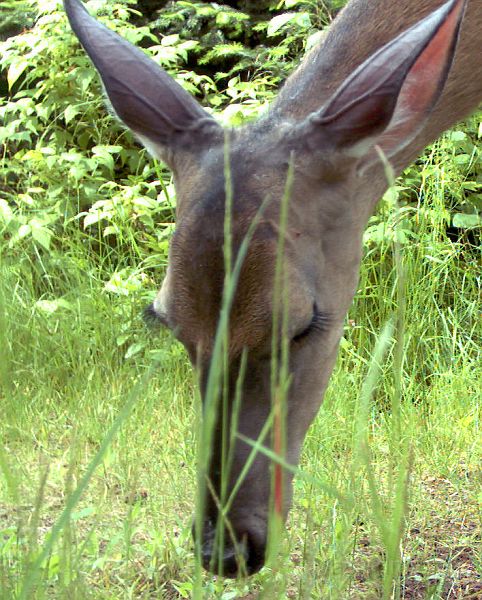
462,159
15,70
84,77
81,514
280,21
52,306
293,3
122,339
42,235
457,136
170,40
464,221
23,231
70,113
103,155
92,218
110,230
26,199
6,213
134,349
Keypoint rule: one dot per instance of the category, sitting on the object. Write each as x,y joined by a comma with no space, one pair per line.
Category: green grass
99,432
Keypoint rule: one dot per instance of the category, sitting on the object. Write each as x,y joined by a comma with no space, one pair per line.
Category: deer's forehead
199,247
254,158
195,295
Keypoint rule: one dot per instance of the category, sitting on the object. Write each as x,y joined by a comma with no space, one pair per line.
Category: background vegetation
85,221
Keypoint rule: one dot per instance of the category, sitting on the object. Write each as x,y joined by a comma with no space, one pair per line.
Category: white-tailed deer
389,77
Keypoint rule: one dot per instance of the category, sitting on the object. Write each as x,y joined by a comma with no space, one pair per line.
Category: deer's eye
319,322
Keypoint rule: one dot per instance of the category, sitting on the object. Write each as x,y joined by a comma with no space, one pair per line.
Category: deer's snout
238,551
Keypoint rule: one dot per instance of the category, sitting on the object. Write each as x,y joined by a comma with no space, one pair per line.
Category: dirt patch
442,549
447,560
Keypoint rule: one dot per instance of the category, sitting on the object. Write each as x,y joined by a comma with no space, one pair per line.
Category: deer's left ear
387,100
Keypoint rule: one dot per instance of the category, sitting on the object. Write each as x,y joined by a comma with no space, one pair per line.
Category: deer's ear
156,108
387,100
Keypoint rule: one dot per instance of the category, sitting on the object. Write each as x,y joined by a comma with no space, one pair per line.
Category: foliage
66,162
15,15
63,155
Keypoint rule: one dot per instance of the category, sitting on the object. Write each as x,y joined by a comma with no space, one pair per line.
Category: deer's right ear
156,108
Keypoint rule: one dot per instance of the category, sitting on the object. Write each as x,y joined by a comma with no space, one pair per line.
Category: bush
67,165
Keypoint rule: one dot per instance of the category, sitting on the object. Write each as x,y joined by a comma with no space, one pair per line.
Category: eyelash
319,323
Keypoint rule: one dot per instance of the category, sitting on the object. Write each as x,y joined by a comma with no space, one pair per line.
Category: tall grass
97,463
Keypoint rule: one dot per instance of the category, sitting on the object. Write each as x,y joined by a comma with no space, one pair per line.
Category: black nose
231,558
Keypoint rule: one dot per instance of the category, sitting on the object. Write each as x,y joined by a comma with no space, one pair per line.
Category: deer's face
318,279
384,102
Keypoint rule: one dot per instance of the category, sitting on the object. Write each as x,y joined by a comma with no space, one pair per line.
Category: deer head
331,157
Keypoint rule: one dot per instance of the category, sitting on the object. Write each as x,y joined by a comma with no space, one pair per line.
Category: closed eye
319,323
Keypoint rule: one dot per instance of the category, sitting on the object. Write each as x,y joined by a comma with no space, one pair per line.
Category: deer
385,80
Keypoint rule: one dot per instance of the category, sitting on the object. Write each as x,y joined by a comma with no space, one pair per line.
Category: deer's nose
243,555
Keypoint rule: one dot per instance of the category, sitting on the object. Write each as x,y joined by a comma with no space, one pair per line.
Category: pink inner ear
423,85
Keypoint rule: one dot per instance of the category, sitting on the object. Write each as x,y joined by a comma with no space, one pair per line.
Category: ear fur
155,107
387,100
